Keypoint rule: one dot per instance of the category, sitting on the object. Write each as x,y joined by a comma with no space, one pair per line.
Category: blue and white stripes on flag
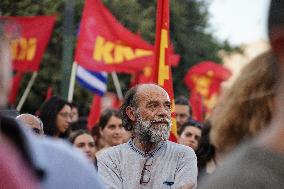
94,81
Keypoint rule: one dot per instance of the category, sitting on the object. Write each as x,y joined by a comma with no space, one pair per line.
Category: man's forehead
152,93
29,118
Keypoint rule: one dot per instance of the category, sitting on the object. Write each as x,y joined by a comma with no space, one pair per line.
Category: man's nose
87,148
164,112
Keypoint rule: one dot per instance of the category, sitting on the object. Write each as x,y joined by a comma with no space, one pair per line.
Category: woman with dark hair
190,134
84,141
55,114
110,128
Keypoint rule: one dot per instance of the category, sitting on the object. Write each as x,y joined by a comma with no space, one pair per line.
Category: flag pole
67,51
72,82
27,91
117,85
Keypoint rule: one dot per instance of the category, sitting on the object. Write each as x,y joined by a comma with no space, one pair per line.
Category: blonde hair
247,106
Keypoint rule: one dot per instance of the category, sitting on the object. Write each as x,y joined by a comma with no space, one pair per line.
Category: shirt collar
160,146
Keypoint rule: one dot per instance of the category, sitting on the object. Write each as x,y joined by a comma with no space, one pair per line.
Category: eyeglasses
65,115
146,174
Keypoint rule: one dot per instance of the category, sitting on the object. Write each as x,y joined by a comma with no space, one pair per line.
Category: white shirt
170,165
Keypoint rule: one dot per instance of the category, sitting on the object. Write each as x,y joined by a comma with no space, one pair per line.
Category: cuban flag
93,81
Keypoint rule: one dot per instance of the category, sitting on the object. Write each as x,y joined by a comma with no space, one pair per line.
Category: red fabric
116,103
16,81
172,137
197,106
96,109
106,45
203,81
162,67
28,49
143,76
95,112
48,93
98,23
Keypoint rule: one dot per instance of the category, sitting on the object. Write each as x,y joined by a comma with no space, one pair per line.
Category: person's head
190,134
276,28
84,141
248,105
5,66
74,113
55,114
146,112
183,110
111,129
33,122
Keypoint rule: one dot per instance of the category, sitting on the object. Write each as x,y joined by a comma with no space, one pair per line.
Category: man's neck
144,146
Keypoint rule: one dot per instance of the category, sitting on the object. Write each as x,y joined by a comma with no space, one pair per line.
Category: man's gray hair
21,116
129,101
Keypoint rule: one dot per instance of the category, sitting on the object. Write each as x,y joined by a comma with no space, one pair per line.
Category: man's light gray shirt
171,166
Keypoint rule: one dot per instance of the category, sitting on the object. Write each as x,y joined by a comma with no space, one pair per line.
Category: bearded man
148,159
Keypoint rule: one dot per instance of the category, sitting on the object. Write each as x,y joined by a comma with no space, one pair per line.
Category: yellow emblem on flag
163,73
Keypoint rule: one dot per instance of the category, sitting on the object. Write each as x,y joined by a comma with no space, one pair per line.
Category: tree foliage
188,24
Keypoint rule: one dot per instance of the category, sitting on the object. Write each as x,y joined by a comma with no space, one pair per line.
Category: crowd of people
240,145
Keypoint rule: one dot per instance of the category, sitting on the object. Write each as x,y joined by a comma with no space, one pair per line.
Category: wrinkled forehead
151,92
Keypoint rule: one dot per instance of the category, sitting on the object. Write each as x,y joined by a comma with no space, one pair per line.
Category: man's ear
130,113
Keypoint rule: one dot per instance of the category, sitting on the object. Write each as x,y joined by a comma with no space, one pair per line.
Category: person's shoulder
60,150
181,150
113,151
58,156
57,145
243,168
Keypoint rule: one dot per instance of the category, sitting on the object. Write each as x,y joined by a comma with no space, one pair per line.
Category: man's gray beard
147,132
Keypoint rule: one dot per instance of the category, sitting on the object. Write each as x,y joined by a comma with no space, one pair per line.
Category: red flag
27,50
204,80
95,112
162,69
106,45
16,81
48,93
143,76
198,110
